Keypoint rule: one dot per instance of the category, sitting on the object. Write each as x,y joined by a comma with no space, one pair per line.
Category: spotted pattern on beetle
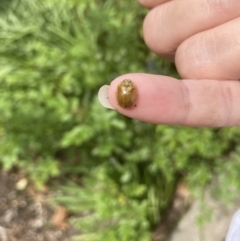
126,94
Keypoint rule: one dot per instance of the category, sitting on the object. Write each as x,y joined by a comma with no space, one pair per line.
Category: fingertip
107,94
158,97
156,35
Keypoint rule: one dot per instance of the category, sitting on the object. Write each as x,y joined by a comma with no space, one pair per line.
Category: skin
202,37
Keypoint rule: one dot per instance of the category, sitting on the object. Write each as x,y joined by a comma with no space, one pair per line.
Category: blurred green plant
54,56
107,213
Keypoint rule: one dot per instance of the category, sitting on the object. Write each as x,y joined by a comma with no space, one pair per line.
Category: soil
27,216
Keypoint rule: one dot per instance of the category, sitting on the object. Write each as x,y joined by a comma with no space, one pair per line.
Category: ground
26,215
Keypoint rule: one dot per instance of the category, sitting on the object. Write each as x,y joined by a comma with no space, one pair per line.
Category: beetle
126,94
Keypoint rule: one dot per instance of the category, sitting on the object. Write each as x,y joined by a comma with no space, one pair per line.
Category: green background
121,173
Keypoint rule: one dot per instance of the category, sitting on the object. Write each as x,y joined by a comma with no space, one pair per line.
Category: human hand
203,37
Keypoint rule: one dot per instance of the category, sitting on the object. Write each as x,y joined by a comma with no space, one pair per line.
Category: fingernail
103,97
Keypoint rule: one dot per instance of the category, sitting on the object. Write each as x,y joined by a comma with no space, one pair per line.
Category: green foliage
51,68
115,216
54,56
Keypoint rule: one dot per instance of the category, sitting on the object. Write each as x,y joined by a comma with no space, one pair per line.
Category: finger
151,3
165,100
168,25
213,54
